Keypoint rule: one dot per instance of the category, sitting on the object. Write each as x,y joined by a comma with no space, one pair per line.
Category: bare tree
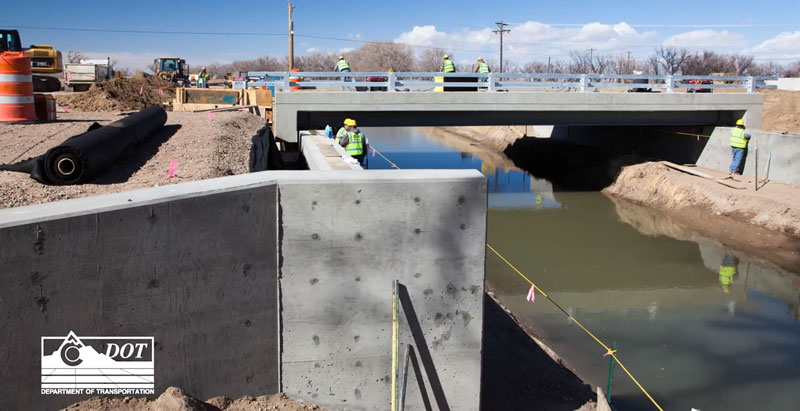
430,60
671,59
792,70
580,62
75,56
152,67
535,67
742,64
382,56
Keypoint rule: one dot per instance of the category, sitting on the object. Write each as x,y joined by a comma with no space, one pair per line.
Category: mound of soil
174,399
780,111
773,206
134,93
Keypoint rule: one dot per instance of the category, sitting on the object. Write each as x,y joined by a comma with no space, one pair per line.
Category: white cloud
345,49
312,50
532,39
708,40
785,45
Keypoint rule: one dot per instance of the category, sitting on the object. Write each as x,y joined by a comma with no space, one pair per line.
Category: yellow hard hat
341,57
347,121
480,58
739,122
352,122
445,56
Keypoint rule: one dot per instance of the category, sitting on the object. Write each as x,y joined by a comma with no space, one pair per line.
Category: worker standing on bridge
447,65
739,139
342,66
481,66
353,141
202,78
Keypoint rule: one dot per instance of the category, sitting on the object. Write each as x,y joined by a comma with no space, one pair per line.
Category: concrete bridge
313,110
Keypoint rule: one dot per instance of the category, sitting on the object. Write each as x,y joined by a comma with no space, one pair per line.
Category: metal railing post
584,83
286,85
751,84
491,82
670,84
610,373
392,79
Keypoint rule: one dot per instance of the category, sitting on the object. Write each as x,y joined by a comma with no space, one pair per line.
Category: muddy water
694,335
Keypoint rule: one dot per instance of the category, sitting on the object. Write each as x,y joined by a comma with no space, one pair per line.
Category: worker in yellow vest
447,65
344,130
481,66
353,141
739,139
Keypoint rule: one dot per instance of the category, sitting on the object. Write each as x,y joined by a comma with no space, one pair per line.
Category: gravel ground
203,149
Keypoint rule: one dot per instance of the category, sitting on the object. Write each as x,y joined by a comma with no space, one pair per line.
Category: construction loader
172,69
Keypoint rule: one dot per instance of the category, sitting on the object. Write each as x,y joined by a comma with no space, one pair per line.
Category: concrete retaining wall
199,266
785,150
193,267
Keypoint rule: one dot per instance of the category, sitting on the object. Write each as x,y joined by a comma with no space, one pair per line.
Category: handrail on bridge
427,81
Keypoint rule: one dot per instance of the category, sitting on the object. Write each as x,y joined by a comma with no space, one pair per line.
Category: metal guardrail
426,81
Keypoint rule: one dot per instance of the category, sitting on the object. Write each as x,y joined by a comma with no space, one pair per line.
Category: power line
202,33
500,30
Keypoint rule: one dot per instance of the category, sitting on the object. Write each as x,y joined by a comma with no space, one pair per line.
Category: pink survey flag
532,293
141,89
373,152
172,166
161,91
210,116
66,109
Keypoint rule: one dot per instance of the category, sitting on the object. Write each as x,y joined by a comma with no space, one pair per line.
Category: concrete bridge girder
310,110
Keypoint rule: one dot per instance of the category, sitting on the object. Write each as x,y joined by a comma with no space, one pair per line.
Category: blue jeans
736,162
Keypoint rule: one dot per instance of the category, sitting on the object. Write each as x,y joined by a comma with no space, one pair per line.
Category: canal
699,326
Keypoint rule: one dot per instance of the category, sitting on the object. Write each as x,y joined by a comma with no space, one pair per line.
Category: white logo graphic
98,365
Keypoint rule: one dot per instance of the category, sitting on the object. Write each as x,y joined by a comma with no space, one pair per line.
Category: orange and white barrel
16,88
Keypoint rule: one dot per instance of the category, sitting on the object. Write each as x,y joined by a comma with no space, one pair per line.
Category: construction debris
122,94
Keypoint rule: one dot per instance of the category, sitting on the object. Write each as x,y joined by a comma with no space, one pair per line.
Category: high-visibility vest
343,65
448,67
340,133
483,68
737,138
726,274
355,146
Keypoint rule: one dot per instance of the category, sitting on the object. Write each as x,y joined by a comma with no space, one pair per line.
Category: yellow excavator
46,61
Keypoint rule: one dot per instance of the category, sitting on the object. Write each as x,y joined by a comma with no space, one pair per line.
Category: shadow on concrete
131,162
424,352
516,374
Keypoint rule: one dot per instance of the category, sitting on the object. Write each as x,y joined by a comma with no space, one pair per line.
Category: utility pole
591,58
291,38
501,29
548,69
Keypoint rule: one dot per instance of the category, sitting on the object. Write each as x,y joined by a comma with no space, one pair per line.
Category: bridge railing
426,81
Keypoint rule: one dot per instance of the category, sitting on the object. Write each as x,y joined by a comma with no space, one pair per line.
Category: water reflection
701,325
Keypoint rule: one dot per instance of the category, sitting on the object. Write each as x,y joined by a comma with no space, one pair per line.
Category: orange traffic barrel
16,88
295,81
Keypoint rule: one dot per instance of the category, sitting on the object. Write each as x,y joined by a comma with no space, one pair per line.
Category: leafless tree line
382,56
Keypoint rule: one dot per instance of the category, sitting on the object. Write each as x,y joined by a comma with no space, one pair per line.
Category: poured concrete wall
345,239
784,164
258,283
193,267
304,111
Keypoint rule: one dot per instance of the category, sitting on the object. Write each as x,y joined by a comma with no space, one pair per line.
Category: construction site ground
201,146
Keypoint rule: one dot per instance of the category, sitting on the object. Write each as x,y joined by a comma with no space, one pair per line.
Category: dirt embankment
174,399
134,93
202,148
781,111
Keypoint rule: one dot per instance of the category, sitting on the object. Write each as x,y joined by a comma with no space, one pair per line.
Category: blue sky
767,29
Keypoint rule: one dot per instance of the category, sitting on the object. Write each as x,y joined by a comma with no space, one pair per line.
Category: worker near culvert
739,139
481,66
344,130
202,78
727,270
354,142
447,65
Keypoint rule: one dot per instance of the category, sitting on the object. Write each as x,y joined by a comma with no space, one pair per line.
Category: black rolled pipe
85,156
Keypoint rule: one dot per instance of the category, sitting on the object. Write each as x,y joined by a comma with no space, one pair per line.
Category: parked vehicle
699,90
81,76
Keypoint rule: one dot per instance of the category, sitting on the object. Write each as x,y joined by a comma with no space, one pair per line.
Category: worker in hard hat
481,66
739,139
202,78
447,65
344,130
353,141
343,66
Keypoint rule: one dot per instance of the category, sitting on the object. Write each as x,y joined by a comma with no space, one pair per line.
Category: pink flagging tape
531,294
172,166
210,116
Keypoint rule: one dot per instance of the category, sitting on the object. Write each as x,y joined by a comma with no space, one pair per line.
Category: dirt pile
773,206
174,399
200,148
134,93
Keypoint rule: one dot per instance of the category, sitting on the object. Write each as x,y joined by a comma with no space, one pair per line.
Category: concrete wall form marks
784,164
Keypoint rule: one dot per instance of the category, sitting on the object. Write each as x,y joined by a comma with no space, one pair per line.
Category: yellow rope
609,351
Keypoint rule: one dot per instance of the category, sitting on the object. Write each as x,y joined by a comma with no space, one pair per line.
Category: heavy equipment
46,61
172,69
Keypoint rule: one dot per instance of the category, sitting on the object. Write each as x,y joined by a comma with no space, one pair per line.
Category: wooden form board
194,99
